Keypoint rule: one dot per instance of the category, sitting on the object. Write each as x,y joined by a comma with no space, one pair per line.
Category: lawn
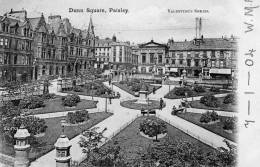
132,144
98,90
55,105
46,143
216,128
223,107
153,104
128,89
172,95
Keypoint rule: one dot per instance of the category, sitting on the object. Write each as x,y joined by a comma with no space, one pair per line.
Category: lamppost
106,102
63,122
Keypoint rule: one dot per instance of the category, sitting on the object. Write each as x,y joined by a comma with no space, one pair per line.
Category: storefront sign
220,71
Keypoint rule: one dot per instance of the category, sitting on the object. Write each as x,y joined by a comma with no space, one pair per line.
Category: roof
34,22
152,44
205,44
103,41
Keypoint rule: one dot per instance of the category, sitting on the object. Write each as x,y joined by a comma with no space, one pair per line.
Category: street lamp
106,102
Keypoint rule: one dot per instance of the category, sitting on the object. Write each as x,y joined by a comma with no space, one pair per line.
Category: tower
62,147
21,147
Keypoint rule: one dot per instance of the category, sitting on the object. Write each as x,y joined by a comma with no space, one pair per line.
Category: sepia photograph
120,83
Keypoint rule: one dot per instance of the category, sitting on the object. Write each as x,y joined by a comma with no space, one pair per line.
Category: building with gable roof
16,49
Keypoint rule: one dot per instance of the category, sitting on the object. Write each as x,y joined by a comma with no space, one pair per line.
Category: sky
145,20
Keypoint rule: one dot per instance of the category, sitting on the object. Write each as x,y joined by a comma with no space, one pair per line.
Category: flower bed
230,107
134,86
77,117
56,105
192,91
153,104
95,89
152,127
217,127
43,145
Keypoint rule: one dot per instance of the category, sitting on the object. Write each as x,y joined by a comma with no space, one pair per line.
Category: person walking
154,90
161,103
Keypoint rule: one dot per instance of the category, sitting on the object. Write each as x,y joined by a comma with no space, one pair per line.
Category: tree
153,127
90,140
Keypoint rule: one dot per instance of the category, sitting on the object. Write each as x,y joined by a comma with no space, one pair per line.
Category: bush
34,125
214,89
209,116
46,96
77,89
32,102
230,98
136,87
205,117
152,127
199,89
77,117
70,100
210,101
180,91
229,124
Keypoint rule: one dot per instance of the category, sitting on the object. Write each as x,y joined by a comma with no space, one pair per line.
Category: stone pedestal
142,97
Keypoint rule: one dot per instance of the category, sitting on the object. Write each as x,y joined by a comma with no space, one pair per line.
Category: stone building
103,52
152,57
32,48
211,57
16,52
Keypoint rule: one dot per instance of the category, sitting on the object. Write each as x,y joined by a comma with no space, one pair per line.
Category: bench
150,112
174,112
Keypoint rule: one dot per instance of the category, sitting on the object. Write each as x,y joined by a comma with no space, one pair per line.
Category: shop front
220,73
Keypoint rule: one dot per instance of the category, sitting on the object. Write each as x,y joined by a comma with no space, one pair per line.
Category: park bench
150,112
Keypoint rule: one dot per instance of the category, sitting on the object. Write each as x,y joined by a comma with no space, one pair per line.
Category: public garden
137,126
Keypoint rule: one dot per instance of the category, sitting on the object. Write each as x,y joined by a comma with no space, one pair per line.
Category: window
167,61
143,58
221,63
151,58
213,63
197,63
15,59
49,53
181,61
1,58
188,62
159,58
1,41
173,61
6,42
43,53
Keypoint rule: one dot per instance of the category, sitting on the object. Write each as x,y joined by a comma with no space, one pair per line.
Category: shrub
77,117
77,89
70,100
229,124
230,98
210,101
34,125
214,89
46,96
199,89
205,117
122,82
180,91
209,116
136,87
32,102
152,127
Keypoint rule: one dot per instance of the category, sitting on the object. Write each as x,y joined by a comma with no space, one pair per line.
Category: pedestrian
180,82
154,90
161,103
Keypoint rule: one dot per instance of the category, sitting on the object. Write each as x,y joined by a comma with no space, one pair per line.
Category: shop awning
220,71
173,69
